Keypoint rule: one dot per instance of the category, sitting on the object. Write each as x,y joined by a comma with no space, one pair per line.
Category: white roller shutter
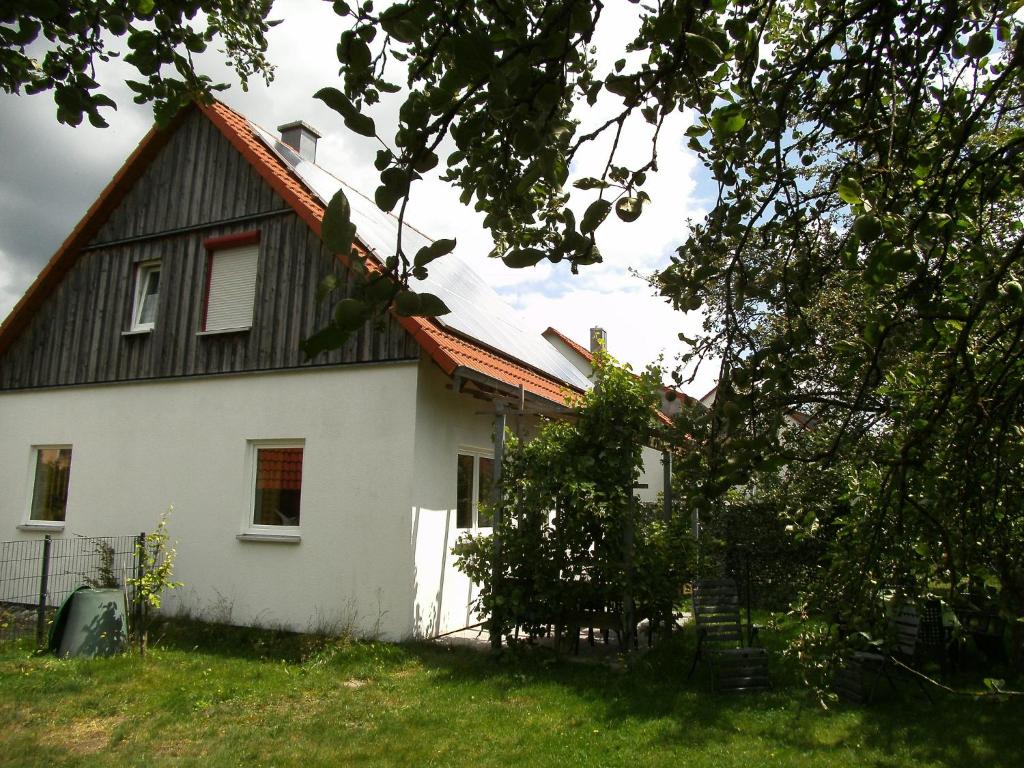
232,289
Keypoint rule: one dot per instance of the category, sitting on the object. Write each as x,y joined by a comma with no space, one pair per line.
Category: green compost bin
90,623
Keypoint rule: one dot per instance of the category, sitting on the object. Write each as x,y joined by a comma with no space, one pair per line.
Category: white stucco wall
446,422
140,447
653,475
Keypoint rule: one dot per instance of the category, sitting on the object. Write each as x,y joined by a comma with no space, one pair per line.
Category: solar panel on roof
477,310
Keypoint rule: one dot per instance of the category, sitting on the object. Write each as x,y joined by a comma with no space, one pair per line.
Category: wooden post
496,565
628,606
666,497
140,606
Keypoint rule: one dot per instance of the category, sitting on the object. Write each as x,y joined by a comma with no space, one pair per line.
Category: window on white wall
231,282
147,296
277,484
52,476
474,481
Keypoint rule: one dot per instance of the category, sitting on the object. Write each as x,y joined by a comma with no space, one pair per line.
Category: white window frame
251,531
142,271
477,454
28,523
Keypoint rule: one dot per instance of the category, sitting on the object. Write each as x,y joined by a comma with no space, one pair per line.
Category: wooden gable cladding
196,188
198,178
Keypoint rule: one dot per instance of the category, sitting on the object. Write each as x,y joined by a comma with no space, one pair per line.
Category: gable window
474,482
230,282
50,484
147,296
277,484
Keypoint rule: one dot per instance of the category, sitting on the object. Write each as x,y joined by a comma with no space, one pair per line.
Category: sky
51,173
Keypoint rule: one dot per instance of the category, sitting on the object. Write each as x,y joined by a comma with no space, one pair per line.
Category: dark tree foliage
861,264
47,45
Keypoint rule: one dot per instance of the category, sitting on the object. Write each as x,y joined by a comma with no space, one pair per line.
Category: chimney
301,137
598,339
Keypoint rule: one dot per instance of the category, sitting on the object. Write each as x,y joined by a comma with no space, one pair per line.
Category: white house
155,361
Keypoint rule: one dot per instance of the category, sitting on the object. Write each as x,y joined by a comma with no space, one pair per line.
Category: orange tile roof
449,350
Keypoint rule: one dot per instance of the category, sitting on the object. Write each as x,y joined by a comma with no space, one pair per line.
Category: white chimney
301,137
598,339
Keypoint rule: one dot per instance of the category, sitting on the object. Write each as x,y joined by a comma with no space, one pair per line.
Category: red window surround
214,244
232,241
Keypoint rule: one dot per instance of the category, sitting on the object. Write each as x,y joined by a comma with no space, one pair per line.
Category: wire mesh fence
36,576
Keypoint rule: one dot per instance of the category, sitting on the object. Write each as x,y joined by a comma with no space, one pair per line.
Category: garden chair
916,636
716,614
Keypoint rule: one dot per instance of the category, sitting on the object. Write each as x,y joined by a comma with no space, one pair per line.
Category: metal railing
37,575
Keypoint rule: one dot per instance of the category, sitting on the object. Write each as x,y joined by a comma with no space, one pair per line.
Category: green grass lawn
220,696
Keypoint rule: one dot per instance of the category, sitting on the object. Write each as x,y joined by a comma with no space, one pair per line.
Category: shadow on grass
654,690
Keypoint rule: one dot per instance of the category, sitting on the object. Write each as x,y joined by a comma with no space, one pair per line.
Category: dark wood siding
77,336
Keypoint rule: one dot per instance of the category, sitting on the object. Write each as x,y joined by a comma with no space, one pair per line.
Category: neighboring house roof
662,416
587,355
579,349
453,351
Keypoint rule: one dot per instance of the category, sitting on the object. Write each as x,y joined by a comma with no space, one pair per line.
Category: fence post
140,551
44,582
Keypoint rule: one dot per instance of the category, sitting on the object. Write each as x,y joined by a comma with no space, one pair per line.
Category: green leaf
523,257
474,54
386,198
425,162
327,285
354,119
428,253
407,303
980,44
704,49
323,340
432,306
728,120
850,191
349,314
380,288
623,85
361,124
590,183
399,22
337,101
337,229
595,214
